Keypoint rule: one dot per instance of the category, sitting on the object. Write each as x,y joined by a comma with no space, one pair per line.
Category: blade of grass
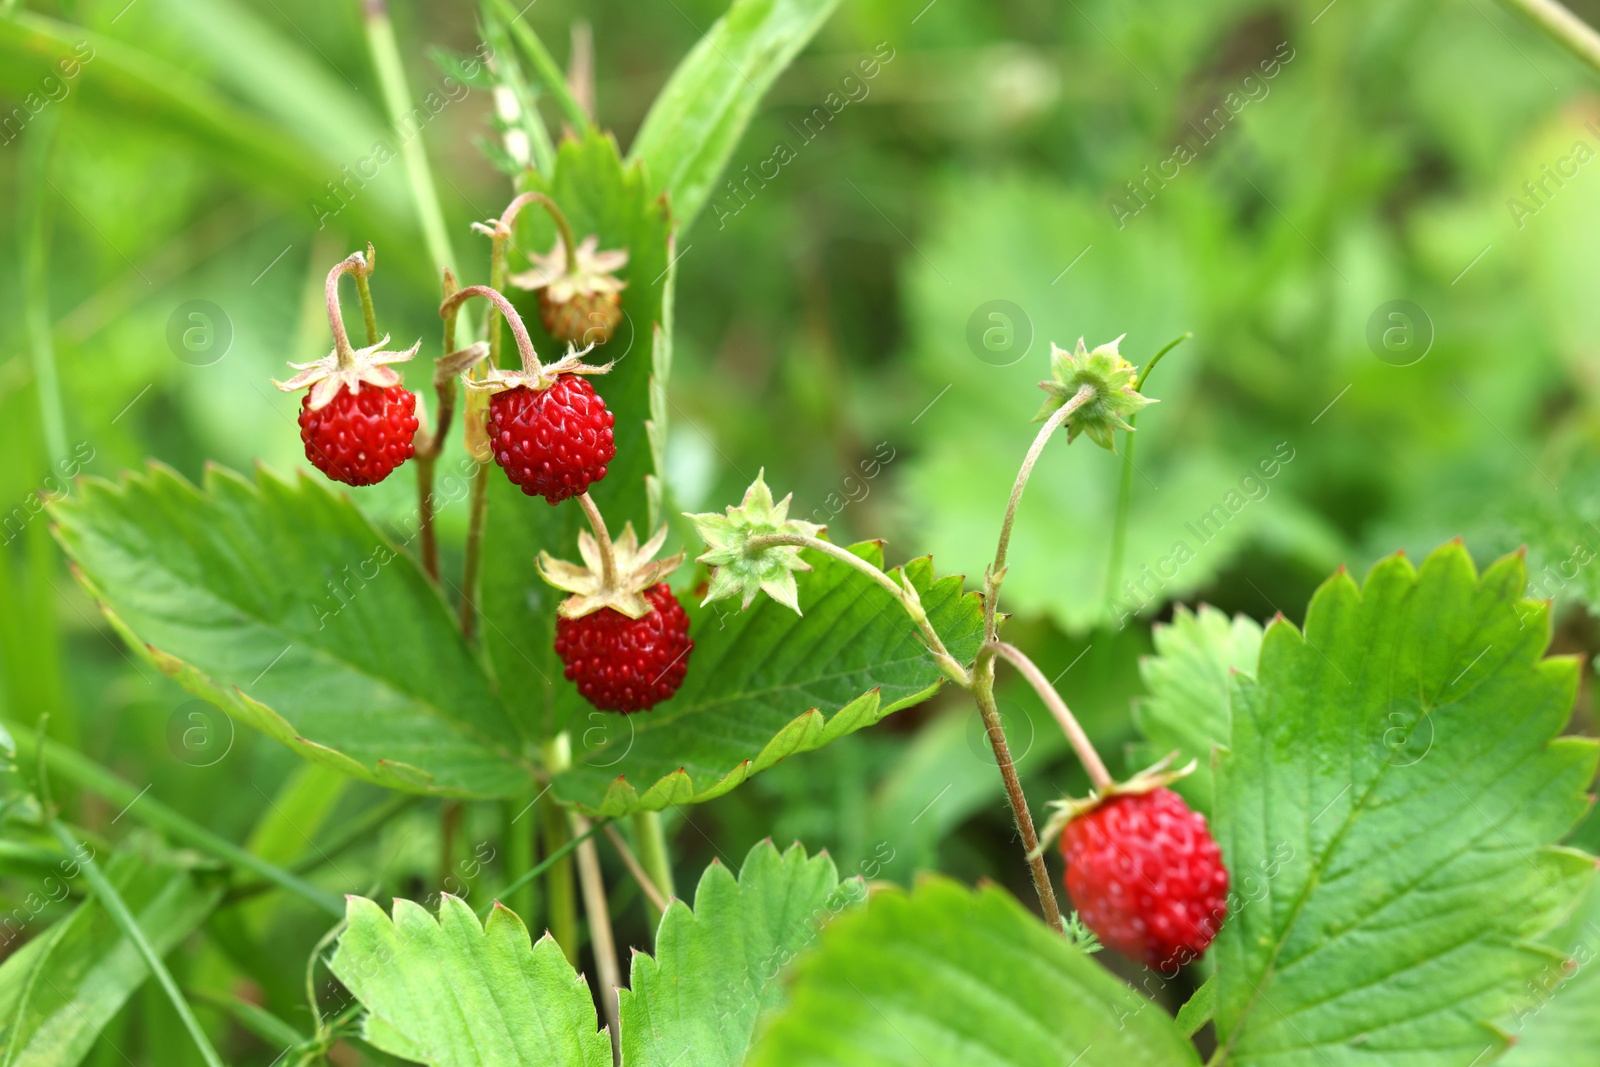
112,901
86,774
544,66
549,861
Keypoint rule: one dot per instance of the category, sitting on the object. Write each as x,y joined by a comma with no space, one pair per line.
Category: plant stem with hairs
1119,527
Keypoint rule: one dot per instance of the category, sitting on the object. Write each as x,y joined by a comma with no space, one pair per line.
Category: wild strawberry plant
1344,845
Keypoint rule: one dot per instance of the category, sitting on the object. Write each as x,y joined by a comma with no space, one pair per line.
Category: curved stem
983,692
1098,775
369,314
354,263
997,571
508,221
1575,35
907,597
530,358
608,554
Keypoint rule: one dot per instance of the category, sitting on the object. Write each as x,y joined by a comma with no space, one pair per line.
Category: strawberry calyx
1114,394
613,575
741,563
1157,776
334,373
567,272
535,375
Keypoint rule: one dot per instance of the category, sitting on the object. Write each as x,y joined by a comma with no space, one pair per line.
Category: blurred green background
1381,221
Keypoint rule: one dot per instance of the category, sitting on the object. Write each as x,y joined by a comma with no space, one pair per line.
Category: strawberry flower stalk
357,421
580,296
622,636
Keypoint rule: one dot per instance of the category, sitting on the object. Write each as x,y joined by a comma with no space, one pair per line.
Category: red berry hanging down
622,634
553,442
361,436
623,664
356,419
1146,876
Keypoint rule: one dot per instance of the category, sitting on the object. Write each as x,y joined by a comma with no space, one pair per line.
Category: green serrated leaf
58,991
767,684
281,604
1198,1009
451,993
699,117
946,976
1556,1022
1388,806
1190,679
715,969
601,196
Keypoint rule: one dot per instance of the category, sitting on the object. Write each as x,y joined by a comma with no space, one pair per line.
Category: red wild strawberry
552,442
1146,876
623,664
362,435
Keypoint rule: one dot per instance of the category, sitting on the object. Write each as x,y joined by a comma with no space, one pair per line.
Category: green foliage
452,993
702,112
1556,1022
766,684
60,989
1388,808
1190,681
946,976
281,604
716,969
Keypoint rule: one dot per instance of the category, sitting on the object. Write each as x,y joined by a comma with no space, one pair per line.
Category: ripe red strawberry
1146,877
552,442
623,664
362,434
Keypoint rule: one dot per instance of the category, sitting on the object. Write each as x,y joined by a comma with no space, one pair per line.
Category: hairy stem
369,313
608,553
355,263
983,693
1119,527
658,903
530,358
506,225
117,908
997,571
901,592
601,940
1098,775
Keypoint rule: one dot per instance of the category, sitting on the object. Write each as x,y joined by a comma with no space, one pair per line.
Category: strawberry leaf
715,969
451,993
1189,679
947,977
1556,1022
766,684
278,602
699,117
1389,805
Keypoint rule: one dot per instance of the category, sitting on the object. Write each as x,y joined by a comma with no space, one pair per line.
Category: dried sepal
637,569
739,568
537,378
326,377
1112,379
594,271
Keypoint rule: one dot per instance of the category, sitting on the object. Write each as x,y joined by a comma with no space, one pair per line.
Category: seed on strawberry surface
359,437
1147,877
553,442
623,664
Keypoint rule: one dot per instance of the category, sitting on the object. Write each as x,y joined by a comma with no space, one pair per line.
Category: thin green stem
561,905
983,693
647,885
1569,31
35,249
117,908
550,861
507,223
397,99
997,571
902,592
1098,775
358,830
1119,526
544,66
516,850
523,108
477,515
369,314
86,774
652,841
